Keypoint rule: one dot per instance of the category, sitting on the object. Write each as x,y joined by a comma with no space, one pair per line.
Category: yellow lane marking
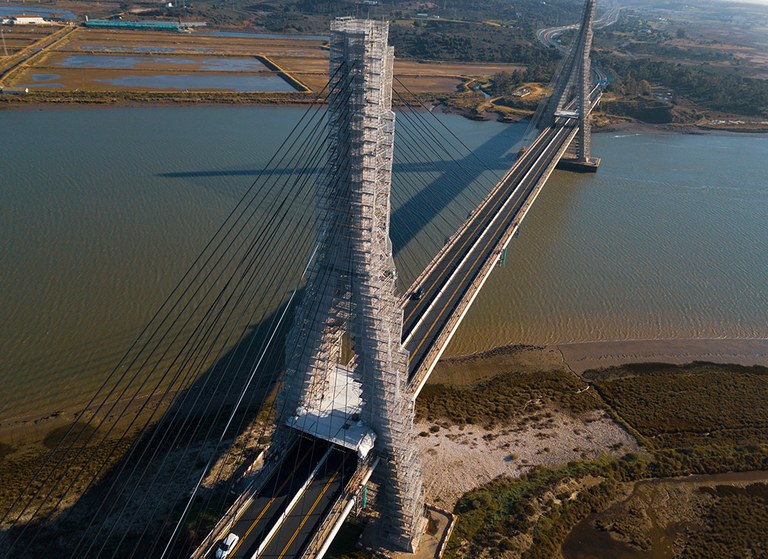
463,279
309,513
434,282
269,504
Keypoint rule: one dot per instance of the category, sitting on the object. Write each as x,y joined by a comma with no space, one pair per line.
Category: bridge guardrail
340,510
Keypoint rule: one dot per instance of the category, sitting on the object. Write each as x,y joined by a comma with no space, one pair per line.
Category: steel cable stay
452,176
444,221
474,170
469,176
411,138
176,295
193,375
247,288
120,398
451,133
264,428
409,142
301,157
451,179
326,276
323,282
449,162
436,240
256,292
205,260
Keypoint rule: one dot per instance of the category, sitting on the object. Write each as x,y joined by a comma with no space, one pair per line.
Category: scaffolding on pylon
351,284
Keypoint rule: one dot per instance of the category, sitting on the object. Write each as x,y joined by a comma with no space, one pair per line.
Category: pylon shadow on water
410,218
141,495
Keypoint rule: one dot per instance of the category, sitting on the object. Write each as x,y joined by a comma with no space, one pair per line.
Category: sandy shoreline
580,357
458,459
467,369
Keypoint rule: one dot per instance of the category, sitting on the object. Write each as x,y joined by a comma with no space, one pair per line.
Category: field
693,405
698,418
19,37
132,62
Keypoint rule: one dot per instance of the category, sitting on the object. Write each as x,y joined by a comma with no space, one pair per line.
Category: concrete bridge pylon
347,330
575,80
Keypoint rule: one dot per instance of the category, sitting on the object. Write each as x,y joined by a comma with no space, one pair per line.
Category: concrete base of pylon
575,166
376,538
438,526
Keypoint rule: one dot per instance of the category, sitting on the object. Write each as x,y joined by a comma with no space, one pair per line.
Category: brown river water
103,209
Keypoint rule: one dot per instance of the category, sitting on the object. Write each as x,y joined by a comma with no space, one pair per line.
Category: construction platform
336,416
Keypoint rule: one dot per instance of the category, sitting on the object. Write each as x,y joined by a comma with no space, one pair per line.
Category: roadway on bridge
445,286
448,282
257,520
304,519
333,469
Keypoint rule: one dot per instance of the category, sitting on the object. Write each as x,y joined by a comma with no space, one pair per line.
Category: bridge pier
575,166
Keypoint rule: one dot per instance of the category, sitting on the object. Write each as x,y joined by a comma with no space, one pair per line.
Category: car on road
418,294
226,546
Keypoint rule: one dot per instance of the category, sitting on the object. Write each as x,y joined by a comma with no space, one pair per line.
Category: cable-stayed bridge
355,354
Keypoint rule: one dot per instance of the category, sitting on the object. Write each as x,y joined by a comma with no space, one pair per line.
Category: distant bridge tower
348,328
576,74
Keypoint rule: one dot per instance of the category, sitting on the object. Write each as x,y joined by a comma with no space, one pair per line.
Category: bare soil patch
458,459
306,59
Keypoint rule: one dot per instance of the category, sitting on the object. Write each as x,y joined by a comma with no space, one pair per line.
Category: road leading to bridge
305,517
268,505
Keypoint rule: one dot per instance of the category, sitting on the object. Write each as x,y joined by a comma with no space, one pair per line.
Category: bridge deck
308,513
267,527
255,522
430,321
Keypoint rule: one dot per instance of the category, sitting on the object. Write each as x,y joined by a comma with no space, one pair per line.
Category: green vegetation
709,54
314,15
643,109
468,42
693,405
735,526
180,97
712,90
693,419
505,398
495,516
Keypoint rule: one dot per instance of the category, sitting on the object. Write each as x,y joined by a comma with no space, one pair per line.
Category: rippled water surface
667,240
104,210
